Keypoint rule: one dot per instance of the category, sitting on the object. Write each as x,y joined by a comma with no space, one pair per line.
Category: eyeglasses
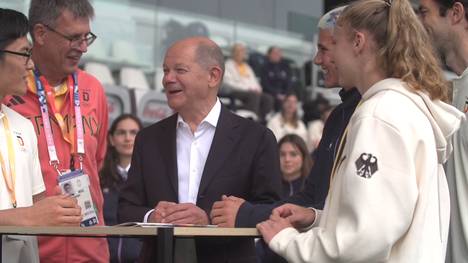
26,54
75,42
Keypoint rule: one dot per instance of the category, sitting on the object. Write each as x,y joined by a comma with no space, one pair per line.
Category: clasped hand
287,215
173,213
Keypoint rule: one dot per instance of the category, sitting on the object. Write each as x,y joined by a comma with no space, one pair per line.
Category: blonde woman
388,200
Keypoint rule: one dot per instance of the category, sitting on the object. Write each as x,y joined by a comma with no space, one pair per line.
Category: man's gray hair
328,21
47,11
208,55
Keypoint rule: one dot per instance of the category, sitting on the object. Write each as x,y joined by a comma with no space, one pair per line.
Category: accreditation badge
76,184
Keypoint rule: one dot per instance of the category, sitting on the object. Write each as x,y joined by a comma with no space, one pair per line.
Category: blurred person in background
240,79
121,138
315,129
295,163
276,76
447,23
287,120
22,189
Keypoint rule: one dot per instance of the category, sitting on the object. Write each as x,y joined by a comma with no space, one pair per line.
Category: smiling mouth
173,91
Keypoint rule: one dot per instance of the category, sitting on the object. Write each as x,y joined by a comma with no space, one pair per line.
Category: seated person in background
295,163
244,85
315,129
22,190
121,137
184,163
276,77
287,120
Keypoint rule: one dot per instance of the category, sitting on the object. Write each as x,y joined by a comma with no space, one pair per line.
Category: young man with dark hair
447,23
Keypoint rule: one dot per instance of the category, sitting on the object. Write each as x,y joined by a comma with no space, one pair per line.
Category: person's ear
457,13
359,41
38,33
215,74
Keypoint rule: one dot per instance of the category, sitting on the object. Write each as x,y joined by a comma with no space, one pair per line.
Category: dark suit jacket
243,161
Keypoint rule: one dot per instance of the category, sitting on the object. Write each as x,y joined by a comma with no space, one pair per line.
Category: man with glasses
68,110
446,22
22,189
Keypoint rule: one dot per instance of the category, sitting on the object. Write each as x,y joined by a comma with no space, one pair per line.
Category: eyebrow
181,65
322,46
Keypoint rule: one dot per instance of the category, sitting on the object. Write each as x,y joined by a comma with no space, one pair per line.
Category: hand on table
224,212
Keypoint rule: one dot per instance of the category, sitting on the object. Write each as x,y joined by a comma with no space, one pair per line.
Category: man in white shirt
183,164
447,23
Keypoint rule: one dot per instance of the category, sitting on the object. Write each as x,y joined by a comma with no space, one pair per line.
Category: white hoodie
389,199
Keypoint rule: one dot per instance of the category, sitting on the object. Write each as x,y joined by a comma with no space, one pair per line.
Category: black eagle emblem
366,165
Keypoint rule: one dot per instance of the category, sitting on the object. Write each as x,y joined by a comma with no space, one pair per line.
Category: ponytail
403,46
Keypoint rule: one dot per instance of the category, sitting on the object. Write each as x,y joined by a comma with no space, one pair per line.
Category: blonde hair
403,46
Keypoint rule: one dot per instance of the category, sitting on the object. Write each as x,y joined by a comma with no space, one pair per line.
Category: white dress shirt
192,152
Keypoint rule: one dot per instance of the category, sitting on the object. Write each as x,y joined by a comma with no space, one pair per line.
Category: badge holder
76,184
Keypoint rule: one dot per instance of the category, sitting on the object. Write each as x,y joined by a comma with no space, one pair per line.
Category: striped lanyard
10,178
41,84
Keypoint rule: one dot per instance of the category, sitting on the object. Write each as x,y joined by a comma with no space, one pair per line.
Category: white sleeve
363,217
36,174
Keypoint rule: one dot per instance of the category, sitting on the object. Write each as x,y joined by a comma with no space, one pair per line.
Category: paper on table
141,224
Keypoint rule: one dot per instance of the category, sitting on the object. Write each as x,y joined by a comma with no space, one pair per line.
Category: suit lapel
223,142
168,142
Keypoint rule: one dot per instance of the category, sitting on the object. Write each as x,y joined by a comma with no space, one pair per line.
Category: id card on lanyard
74,179
41,85
76,184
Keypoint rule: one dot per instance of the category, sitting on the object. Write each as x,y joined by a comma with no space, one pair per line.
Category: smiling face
324,58
291,160
436,25
14,68
59,56
343,56
189,86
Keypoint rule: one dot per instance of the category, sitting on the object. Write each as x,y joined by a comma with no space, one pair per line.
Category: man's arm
50,211
266,183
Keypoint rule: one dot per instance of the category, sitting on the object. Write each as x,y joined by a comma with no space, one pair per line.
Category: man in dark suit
183,164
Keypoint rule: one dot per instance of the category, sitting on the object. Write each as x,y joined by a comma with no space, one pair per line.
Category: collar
121,169
212,117
464,74
32,84
347,95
